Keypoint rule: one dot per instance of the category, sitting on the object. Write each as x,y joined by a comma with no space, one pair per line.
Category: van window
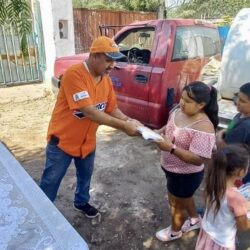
137,44
195,42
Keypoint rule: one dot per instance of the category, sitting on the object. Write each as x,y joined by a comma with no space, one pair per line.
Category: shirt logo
80,96
101,106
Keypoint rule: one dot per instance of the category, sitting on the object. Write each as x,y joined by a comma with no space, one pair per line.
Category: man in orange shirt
86,99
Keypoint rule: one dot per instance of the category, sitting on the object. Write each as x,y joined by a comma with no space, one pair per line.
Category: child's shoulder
233,192
236,202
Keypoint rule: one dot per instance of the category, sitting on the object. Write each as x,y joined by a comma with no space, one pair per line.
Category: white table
28,219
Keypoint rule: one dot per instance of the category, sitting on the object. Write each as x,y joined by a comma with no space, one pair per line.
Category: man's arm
117,113
97,116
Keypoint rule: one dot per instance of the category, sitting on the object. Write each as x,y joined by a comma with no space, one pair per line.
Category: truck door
131,77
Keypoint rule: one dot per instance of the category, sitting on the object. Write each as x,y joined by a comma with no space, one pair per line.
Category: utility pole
162,9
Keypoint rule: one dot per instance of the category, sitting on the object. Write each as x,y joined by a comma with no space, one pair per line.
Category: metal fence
14,68
87,22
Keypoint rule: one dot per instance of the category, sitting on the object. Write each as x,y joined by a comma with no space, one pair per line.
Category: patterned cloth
199,142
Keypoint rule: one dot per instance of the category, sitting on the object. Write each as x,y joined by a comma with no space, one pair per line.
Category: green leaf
24,46
3,14
18,14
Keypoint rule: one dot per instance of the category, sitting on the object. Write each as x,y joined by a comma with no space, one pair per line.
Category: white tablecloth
28,219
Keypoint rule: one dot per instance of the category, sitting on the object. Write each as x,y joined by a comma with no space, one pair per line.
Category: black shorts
183,185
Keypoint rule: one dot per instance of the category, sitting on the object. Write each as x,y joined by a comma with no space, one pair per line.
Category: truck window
195,42
211,42
137,44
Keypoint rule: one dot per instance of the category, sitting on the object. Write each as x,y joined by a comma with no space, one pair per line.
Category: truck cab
163,56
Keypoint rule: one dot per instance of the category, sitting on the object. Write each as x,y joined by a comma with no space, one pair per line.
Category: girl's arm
219,139
243,223
161,130
239,207
182,154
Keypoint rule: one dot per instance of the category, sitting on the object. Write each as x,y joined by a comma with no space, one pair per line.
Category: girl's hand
157,131
219,139
220,134
165,144
160,131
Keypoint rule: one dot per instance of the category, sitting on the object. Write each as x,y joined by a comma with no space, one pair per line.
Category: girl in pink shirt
189,138
226,208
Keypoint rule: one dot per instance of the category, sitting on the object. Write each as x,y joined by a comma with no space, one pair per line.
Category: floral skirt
205,242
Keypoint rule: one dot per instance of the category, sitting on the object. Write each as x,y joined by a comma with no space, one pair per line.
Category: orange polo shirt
76,133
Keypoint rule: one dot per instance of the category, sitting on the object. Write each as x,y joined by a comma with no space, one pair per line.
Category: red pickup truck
162,57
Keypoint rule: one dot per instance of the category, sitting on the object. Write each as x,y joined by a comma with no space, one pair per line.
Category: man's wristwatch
173,149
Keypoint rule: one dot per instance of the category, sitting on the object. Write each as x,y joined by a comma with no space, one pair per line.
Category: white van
235,65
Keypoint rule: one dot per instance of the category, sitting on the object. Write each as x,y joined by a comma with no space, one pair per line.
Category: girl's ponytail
216,180
211,108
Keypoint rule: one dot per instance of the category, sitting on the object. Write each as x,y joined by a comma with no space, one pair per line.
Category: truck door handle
141,78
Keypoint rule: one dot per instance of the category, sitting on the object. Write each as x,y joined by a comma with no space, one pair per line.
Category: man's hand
136,122
130,128
117,113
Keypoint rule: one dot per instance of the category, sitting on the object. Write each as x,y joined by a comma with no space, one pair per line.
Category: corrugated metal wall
86,23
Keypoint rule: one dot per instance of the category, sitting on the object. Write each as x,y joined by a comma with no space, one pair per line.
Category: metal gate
14,68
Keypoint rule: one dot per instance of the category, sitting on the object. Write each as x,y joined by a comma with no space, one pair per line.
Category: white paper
149,134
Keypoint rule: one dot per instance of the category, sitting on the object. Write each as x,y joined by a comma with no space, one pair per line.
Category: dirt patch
128,185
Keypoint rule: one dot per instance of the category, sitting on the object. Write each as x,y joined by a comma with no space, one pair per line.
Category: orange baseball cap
107,46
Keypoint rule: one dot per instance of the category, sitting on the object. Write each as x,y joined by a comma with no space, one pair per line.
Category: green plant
209,9
132,5
18,14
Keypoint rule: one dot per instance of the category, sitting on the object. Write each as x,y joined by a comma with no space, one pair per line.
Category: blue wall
223,31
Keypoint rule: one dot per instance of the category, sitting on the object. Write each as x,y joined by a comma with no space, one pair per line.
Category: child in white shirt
226,208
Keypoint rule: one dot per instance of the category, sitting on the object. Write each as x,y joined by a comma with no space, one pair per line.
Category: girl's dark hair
200,92
245,89
223,165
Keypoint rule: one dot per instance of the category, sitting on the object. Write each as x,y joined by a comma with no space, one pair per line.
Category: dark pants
57,163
